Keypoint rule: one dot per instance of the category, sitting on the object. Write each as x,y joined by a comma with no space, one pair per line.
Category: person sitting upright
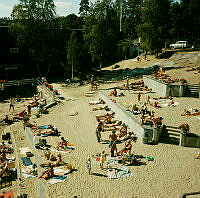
113,93
122,131
127,148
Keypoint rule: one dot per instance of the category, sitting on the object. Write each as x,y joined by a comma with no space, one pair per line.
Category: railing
17,83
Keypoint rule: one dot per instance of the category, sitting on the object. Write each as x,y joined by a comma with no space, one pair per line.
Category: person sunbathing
122,131
129,136
197,156
191,112
6,120
127,148
62,146
101,108
48,173
135,109
117,123
58,161
157,121
113,93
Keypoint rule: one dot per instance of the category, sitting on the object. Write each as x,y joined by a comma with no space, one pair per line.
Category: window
14,50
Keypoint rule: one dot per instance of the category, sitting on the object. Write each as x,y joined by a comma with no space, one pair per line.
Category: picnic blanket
120,172
26,161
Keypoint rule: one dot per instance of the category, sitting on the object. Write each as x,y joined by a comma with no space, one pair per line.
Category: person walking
11,101
139,97
89,165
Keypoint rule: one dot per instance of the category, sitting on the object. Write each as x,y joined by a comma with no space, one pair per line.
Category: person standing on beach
102,159
113,149
139,97
127,84
29,110
148,99
89,165
11,101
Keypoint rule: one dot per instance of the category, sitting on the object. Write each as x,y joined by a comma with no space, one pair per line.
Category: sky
63,7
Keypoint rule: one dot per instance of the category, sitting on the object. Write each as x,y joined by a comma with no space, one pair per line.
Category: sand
173,172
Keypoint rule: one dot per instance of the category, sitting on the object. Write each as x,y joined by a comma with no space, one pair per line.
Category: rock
73,113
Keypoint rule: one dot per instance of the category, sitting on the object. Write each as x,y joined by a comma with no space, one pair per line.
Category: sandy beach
173,172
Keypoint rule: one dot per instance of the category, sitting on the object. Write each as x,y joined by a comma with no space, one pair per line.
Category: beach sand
173,172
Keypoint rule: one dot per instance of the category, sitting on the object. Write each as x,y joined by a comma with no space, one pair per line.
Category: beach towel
44,126
60,171
54,150
123,172
57,179
26,161
111,173
24,150
171,105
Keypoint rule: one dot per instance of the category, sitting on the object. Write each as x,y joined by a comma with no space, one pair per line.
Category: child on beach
89,165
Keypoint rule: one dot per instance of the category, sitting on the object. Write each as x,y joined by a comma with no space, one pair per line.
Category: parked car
179,44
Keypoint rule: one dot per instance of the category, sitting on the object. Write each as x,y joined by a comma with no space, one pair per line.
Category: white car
179,44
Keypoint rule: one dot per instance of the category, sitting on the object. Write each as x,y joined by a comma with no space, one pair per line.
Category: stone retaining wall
131,121
45,93
164,89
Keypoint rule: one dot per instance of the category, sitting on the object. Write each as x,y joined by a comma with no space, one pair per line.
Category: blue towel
43,126
26,161
60,177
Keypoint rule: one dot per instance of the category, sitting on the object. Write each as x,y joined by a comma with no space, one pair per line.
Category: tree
101,31
73,52
84,7
154,29
131,18
33,27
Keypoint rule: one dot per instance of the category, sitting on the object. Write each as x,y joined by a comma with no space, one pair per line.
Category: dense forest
59,45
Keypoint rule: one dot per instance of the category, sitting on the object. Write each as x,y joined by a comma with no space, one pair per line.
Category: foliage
154,29
73,52
33,28
101,31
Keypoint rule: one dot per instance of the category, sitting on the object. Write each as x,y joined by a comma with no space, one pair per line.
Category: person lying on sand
117,123
62,146
191,112
101,108
122,131
197,156
105,118
129,136
6,120
48,173
113,93
58,161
